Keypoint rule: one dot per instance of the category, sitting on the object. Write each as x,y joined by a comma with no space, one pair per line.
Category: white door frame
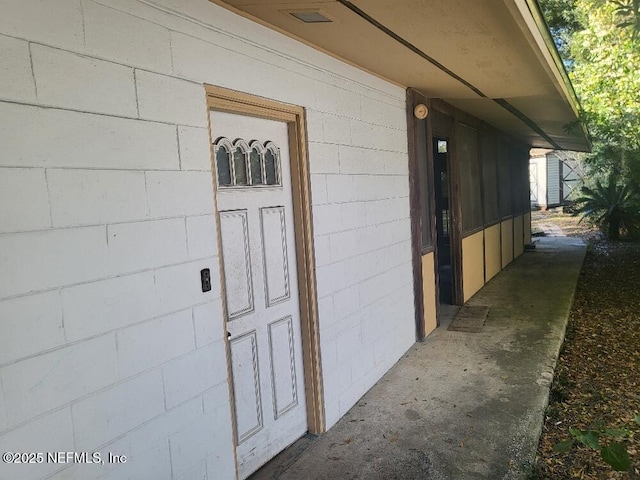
231,101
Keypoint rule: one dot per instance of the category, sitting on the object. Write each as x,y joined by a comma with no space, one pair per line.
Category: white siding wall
553,181
541,169
106,218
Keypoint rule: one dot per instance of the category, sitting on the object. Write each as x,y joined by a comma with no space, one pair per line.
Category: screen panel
489,156
470,177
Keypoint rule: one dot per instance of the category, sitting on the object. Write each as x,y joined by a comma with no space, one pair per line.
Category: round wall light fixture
421,111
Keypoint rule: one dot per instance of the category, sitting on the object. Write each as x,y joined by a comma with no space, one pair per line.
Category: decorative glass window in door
247,164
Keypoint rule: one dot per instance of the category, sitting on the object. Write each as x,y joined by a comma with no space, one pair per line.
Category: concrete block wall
106,218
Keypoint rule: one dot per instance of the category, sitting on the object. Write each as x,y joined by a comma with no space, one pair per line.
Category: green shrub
613,208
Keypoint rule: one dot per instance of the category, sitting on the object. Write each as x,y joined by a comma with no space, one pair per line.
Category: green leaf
617,456
563,446
616,432
588,438
637,418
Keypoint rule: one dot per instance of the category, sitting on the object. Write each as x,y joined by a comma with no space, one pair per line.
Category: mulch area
597,380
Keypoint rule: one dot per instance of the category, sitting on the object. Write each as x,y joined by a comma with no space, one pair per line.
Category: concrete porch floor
460,405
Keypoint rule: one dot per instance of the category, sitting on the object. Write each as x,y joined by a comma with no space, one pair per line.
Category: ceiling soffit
469,53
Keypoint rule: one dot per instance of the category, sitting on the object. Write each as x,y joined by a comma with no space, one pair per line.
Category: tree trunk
614,227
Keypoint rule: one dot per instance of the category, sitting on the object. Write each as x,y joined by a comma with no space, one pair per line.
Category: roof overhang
493,59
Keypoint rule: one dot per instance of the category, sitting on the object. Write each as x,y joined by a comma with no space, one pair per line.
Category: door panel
283,366
246,385
253,192
235,251
274,249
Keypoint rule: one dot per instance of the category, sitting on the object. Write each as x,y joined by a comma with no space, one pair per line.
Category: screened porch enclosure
472,195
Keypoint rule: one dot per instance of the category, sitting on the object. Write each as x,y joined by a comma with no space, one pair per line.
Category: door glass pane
270,166
240,166
224,166
256,167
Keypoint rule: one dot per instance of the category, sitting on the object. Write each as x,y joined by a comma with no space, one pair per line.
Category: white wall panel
120,159
69,80
16,76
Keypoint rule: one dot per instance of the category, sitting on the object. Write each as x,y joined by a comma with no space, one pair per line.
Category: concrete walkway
460,405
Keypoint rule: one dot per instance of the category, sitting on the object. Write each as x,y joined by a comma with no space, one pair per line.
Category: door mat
470,318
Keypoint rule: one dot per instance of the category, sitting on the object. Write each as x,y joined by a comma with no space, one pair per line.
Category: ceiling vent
310,16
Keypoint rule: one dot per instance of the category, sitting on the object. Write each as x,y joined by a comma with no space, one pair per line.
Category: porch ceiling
486,57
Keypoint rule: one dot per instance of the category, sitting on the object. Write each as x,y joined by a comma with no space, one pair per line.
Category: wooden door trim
231,101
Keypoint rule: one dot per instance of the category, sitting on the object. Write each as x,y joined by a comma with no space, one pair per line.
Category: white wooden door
261,285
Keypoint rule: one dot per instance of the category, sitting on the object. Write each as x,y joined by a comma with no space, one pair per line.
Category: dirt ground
597,381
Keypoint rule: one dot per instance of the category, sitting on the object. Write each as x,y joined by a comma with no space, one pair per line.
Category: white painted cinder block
152,343
344,245
362,365
154,463
332,278
40,384
157,431
90,197
191,446
24,200
330,99
381,113
315,131
352,215
207,321
102,306
216,399
235,68
197,472
106,415
354,160
336,129
137,246
220,463
397,163
387,210
346,302
326,219
124,38
340,188
187,50
173,194
74,81
29,325
195,150
375,136
377,287
179,286
194,373
50,433
322,250
64,257
329,352
169,99
337,381
202,239
323,158
318,189
55,22
72,139
16,77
